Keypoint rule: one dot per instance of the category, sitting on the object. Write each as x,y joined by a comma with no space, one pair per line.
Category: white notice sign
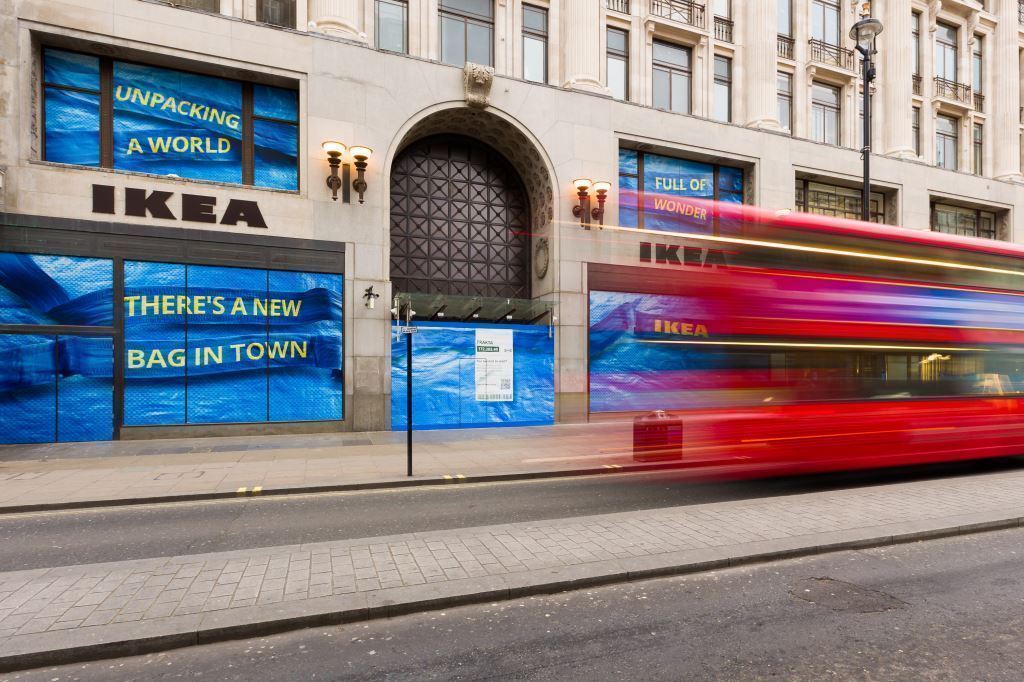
494,360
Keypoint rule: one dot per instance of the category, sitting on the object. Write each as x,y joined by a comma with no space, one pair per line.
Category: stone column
1005,112
582,24
760,63
337,18
895,88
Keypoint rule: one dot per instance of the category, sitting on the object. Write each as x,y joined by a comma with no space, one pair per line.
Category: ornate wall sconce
370,297
361,155
335,150
583,210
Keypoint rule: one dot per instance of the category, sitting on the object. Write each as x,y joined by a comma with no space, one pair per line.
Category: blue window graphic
654,191
169,122
207,344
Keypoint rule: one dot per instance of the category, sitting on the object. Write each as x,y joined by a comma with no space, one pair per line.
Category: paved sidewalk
76,612
41,476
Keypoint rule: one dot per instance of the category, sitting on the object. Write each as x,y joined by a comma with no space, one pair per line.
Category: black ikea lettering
692,255
102,199
645,250
715,257
666,253
245,211
198,208
139,203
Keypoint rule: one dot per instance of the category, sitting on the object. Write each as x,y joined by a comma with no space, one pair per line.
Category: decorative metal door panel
459,221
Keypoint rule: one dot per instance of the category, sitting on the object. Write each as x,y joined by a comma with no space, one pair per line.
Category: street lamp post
864,32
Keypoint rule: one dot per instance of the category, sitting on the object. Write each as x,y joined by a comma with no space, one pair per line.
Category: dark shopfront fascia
287,262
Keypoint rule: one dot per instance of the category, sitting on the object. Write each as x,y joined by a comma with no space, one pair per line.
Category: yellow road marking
257,490
241,491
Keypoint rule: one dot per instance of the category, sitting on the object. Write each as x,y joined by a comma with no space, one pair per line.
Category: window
653,191
467,32
915,123
946,138
168,122
276,12
723,8
825,113
535,44
671,77
977,74
963,221
825,21
945,52
618,63
785,18
834,200
784,96
977,148
723,89
205,5
915,27
392,25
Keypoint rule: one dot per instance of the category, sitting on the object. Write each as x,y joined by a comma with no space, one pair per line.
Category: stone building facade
524,97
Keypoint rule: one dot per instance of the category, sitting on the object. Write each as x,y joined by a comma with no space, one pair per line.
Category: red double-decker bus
792,343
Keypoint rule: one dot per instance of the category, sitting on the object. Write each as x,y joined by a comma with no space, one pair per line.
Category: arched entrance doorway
460,221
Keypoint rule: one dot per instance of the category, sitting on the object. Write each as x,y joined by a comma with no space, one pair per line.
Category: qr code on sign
506,384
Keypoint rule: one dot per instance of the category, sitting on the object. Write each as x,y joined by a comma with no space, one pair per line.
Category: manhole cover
843,596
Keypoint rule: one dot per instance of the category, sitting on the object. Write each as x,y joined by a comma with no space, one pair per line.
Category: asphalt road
937,610
135,532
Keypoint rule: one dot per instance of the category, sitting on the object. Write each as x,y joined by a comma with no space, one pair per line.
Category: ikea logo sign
677,254
680,328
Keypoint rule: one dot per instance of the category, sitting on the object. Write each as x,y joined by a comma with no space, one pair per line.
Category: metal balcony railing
916,79
979,102
618,5
723,29
683,11
784,46
833,55
959,92
1020,11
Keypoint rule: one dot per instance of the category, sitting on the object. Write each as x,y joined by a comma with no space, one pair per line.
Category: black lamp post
864,32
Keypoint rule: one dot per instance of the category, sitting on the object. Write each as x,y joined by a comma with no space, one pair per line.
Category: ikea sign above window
168,122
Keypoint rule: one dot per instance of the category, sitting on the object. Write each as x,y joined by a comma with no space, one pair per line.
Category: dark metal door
459,221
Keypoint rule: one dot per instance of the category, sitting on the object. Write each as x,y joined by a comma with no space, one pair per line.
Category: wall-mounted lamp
361,155
334,151
370,297
582,210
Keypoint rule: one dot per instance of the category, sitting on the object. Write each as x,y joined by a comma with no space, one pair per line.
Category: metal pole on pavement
408,402
864,32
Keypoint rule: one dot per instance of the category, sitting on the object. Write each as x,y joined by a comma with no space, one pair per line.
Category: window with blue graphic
169,122
452,389
655,191
207,344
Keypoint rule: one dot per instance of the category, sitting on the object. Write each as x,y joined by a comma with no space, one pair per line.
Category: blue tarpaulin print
211,344
444,378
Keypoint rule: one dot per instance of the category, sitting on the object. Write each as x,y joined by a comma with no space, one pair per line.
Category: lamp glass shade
865,30
602,186
582,183
330,146
360,152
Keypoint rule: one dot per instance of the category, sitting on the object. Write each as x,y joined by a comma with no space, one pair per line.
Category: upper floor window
617,60
835,200
785,18
784,95
671,77
168,122
205,5
723,89
915,126
946,52
276,12
966,222
723,8
467,32
977,59
825,21
915,32
946,140
977,149
535,44
825,113
392,25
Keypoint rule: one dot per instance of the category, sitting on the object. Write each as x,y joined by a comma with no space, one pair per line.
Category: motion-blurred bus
792,342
